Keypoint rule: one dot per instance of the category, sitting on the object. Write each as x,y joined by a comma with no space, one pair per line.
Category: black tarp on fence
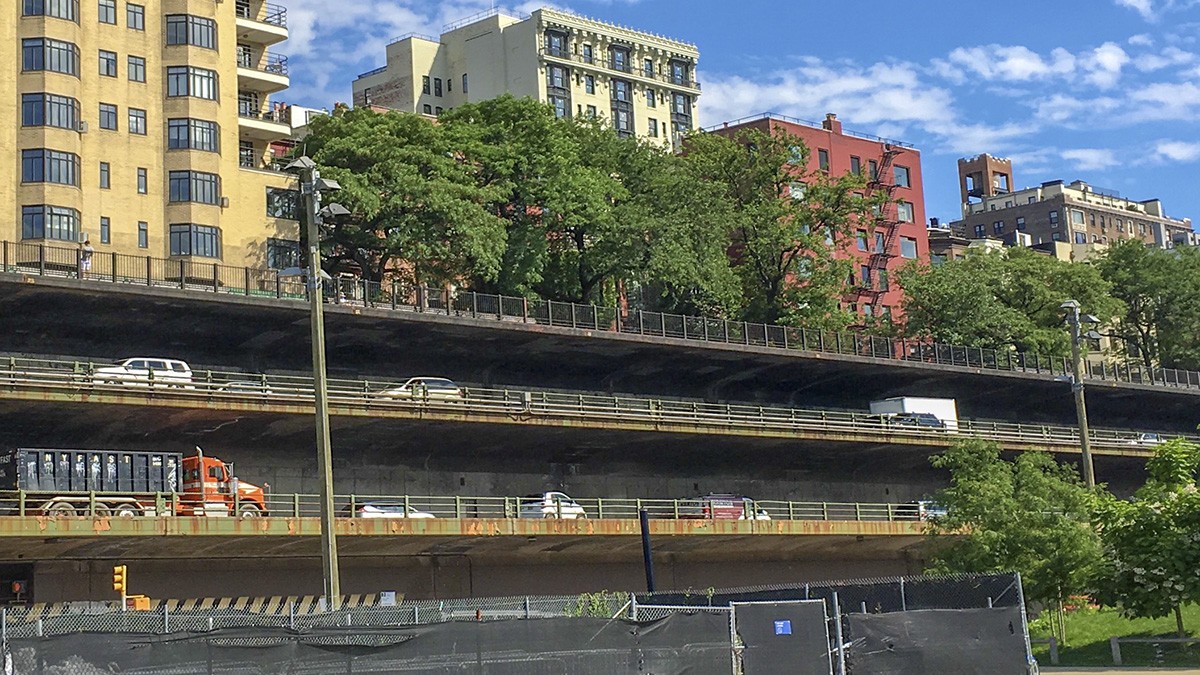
691,644
985,641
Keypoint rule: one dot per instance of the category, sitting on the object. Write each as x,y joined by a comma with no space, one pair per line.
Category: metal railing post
114,267
837,635
183,274
149,271
42,259
1114,644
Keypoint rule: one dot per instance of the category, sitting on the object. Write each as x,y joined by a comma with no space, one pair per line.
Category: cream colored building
145,127
642,84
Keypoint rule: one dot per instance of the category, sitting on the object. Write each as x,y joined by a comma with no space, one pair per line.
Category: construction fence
972,624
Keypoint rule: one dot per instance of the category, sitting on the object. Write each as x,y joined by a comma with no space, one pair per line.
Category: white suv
550,505
145,372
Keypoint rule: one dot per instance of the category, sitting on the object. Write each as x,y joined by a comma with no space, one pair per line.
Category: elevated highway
99,319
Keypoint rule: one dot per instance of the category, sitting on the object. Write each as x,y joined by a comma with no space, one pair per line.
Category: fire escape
886,222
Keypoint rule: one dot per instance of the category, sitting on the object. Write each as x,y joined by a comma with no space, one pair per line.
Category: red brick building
894,167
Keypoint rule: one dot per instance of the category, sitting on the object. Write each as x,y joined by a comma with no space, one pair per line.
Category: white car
386,510
425,388
146,371
1147,439
550,505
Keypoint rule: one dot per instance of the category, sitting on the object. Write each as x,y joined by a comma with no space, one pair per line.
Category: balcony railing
267,62
625,69
276,15
63,261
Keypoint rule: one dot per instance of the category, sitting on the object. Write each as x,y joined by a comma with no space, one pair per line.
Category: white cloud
1004,63
1178,151
1171,56
1141,40
1103,65
1062,108
1143,7
1164,101
1152,10
1091,159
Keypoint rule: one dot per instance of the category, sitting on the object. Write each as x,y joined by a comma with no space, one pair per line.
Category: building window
427,109
41,165
108,11
556,77
619,59
143,234
823,159
861,238
197,240
980,230
191,81
424,84
105,175
108,116
1056,236
142,181
797,190
589,84
135,16
194,186
1076,217
45,221
681,104
652,128
904,211
868,311
1080,237
185,133
648,67
865,276
283,253
49,110
464,87
47,54
1054,219
872,169
880,243
1032,199
59,9
105,231
998,227
680,72
587,54
622,121
900,175
108,63
855,165
282,203
185,29
556,43
1020,222
651,98
137,69
591,112
137,121
437,86
620,91
883,280
561,106
438,111
908,248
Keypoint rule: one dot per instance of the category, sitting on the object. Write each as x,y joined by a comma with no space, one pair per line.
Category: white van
145,371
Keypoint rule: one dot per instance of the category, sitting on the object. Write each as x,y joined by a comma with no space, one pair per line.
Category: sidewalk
1113,670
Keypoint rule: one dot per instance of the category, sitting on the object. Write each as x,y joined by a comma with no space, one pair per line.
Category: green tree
1152,542
1005,299
1029,516
786,225
1161,319
418,210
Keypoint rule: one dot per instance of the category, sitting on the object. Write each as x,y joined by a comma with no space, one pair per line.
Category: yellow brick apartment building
642,84
146,128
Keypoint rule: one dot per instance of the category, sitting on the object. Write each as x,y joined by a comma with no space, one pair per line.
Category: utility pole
310,187
1085,442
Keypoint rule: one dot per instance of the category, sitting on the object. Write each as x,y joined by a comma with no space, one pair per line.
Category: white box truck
944,409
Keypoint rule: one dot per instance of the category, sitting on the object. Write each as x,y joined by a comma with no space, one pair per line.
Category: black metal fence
190,275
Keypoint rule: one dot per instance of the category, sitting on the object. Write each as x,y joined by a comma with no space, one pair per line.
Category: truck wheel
101,511
127,511
249,511
61,509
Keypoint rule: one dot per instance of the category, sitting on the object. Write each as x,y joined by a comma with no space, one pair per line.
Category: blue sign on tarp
783,627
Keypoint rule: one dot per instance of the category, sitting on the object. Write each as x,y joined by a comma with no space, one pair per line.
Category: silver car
550,505
145,372
424,389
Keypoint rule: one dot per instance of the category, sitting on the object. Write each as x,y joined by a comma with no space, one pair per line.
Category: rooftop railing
201,276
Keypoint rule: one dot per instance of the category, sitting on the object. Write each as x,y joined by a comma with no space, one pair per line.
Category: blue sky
1107,91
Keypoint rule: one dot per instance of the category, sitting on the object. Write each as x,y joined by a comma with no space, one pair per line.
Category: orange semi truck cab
211,489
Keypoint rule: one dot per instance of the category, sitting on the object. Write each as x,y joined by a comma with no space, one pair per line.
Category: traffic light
120,579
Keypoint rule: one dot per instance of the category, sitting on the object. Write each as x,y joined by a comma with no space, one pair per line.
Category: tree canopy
1005,299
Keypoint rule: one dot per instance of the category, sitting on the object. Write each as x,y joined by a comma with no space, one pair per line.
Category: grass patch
1088,631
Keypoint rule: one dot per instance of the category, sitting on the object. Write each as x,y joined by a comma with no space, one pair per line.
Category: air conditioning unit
82,128
224,202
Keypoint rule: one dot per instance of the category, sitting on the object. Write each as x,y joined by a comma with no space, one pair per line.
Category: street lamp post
311,186
1074,321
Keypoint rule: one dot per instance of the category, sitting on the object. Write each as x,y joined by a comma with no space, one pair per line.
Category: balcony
262,23
263,72
264,125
